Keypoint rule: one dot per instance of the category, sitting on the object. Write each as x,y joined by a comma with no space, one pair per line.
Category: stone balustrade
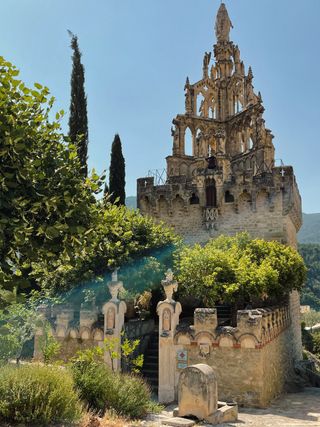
255,328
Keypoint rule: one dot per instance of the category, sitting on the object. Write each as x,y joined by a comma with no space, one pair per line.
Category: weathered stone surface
197,391
229,181
178,422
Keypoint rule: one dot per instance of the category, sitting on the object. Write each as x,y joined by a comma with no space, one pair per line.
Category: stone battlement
255,328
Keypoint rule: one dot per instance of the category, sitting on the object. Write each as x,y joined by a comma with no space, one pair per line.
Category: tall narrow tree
117,180
78,120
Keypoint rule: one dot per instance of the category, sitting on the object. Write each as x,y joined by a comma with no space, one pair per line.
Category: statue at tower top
223,24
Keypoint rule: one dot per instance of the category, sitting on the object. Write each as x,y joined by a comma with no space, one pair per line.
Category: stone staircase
151,363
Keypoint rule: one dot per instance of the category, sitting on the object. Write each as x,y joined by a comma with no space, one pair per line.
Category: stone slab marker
198,391
198,396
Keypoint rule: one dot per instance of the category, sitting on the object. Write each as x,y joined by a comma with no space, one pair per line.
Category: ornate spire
223,24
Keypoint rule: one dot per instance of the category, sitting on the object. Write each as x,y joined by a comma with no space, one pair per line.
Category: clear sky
137,54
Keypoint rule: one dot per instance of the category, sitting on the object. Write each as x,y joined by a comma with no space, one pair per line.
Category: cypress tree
78,120
117,173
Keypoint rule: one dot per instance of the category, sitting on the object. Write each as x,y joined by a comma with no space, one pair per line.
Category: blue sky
137,54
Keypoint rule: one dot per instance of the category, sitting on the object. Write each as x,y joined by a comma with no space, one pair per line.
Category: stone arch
61,332
145,204
194,199
183,338
178,205
205,337
228,197
226,341
262,200
163,205
188,142
248,341
244,201
85,333
73,333
211,193
98,335
201,105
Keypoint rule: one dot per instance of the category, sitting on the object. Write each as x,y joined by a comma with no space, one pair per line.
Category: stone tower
229,182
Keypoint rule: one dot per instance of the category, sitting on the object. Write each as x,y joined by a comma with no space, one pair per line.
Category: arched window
194,199
228,197
211,194
188,143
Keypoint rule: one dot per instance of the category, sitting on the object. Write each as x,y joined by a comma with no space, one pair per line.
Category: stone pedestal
198,396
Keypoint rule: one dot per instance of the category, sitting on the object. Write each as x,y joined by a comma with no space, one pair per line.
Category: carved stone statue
202,108
166,320
169,285
213,72
111,318
206,60
223,24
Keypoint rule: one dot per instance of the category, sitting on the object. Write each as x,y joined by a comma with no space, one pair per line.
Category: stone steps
151,363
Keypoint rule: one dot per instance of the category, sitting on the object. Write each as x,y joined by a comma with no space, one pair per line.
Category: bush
102,389
130,397
230,269
94,383
38,395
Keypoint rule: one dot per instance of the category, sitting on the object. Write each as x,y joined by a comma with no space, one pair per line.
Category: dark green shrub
131,396
94,383
102,389
38,395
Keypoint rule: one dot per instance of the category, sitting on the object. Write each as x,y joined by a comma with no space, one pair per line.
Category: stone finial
115,286
250,73
169,285
223,24
114,275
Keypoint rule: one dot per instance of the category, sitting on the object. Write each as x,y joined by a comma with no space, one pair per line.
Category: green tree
311,292
78,120
239,268
18,323
117,173
45,205
54,234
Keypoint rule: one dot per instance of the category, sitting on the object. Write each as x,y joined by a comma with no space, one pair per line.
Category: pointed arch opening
201,105
211,193
188,142
194,199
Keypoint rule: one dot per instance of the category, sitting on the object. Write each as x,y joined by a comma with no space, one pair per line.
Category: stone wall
76,330
242,357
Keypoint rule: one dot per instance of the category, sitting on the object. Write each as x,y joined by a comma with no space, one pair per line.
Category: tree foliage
78,120
311,292
117,173
239,268
54,234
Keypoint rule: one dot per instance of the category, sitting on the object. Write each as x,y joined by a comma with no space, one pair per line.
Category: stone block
197,391
178,422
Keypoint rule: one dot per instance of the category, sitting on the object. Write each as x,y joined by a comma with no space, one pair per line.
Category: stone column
169,312
114,311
